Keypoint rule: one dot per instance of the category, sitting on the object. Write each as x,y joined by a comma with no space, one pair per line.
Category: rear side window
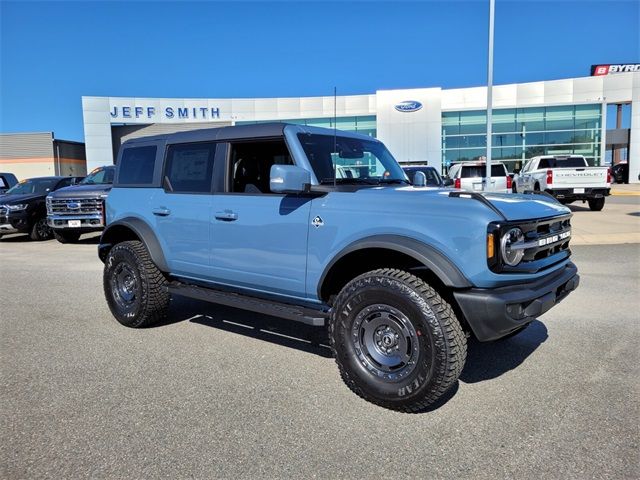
561,163
3,183
189,167
136,165
470,171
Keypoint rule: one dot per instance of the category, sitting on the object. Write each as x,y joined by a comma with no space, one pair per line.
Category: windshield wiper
365,181
394,180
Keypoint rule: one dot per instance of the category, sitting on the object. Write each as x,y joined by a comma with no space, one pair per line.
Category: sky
53,53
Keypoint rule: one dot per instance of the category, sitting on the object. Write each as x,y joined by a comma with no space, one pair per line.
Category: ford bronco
323,227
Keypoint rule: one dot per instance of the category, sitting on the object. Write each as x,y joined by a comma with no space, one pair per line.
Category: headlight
509,247
17,206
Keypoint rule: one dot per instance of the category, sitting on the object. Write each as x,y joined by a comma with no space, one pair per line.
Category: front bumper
493,313
14,222
87,222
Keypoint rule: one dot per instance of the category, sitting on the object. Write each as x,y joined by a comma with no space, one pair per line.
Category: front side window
352,160
34,185
251,162
189,167
137,165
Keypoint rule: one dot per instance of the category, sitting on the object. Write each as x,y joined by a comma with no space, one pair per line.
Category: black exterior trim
300,313
145,234
430,257
493,313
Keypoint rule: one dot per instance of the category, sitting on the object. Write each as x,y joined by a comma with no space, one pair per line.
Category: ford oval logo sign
73,205
408,106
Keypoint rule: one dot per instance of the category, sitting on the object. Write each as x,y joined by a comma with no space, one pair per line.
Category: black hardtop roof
258,130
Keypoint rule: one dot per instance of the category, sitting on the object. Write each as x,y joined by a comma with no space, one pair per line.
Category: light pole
487,177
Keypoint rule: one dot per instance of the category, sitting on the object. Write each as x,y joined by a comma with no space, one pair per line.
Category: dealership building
422,125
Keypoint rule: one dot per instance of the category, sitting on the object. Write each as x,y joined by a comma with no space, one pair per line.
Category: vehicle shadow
89,239
15,238
486,361
579,207
256,325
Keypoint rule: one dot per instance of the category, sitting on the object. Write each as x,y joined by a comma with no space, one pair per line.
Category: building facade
39,154
425,125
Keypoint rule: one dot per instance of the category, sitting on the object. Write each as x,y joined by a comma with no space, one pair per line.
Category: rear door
182,208
258,238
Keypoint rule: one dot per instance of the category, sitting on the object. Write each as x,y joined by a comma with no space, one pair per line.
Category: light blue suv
323,227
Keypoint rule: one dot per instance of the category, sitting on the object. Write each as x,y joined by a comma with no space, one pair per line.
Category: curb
626,194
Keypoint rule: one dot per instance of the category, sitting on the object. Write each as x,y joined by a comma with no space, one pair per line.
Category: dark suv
22,207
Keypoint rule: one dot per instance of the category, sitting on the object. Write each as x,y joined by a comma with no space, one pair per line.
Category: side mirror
448,182
419,179
288,179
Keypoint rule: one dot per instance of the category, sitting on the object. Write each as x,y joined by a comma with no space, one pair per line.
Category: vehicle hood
513,207
526,206
82,191
20,198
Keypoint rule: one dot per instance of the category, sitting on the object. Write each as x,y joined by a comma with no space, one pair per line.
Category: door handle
227,216
161,211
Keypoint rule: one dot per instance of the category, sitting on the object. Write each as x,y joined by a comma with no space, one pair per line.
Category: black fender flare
429,256
143,231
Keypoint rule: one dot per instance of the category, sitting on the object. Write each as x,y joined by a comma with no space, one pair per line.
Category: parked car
7,180
469,175
255,217
22,207
431,174
620,173
567,178
75,210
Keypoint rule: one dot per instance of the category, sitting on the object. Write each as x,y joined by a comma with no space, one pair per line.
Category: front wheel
397,343
596,204
66,237
40,230
136,291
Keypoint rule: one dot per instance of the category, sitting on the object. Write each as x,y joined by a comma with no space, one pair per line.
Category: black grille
546,242
75,206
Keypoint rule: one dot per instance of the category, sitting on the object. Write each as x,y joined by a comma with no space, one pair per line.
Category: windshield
99,176
355,160
35,185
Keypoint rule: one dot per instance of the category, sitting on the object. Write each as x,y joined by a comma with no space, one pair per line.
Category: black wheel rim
42,229
124,285
386,342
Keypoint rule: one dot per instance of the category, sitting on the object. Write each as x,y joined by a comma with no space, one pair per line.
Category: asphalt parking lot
222,393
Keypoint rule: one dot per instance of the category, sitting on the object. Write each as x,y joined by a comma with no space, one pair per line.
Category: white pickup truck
567,178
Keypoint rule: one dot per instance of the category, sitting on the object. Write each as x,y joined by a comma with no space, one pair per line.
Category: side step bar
310,316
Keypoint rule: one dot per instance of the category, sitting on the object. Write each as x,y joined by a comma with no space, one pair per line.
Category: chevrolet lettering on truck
324,228
567,178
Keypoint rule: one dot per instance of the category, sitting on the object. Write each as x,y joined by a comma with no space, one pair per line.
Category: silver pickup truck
567,178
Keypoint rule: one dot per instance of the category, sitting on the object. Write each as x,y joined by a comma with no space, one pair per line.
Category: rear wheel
397,343
66,237
514,189
135,289
596,204
40,230
536,187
